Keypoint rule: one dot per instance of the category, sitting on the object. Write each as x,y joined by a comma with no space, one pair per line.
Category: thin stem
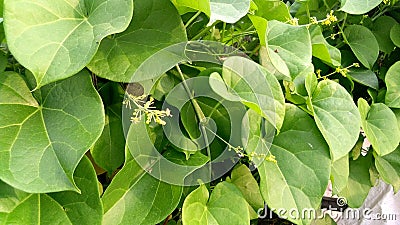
223,32
205,30
341,28
199,113
192,19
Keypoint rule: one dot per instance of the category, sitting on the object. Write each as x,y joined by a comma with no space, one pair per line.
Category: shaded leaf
381,29
359,183
395,34
365,77
388,167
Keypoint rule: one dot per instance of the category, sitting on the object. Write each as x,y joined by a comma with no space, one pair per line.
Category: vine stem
192,19
205,30
199,113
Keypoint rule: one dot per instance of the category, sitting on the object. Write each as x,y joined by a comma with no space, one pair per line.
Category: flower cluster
145,108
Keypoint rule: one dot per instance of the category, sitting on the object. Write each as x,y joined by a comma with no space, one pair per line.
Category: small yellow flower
294,21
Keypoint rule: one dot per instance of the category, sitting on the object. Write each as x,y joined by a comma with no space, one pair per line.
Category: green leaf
155,25
272,10
242,178
43,142
322,49
359,183
201,209
388,167
392,80
365,77
253,86
363,44
57,208
395,34
224,10
381,29
380,126
135,197
108,151
302,170
57,39
340,174
287,57
359,6
337,117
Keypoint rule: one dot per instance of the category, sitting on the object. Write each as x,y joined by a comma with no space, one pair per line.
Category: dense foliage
194,112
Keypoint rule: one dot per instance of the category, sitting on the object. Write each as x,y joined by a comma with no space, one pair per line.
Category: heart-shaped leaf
337,117
300,181
363,43
380,126
381,29
155,25
67,207
395,34
135,197
359,6
55,39
200,208
254,86
288,56
42,142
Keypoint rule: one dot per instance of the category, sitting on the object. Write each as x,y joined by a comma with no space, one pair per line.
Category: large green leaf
392,80
17,207
359,183
363,44
225,206
337,117
225,10
285,56
43,142
381,29
359,6
254,86
57,38
388,167
380,126
135,197
299,178
322,49
155,25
